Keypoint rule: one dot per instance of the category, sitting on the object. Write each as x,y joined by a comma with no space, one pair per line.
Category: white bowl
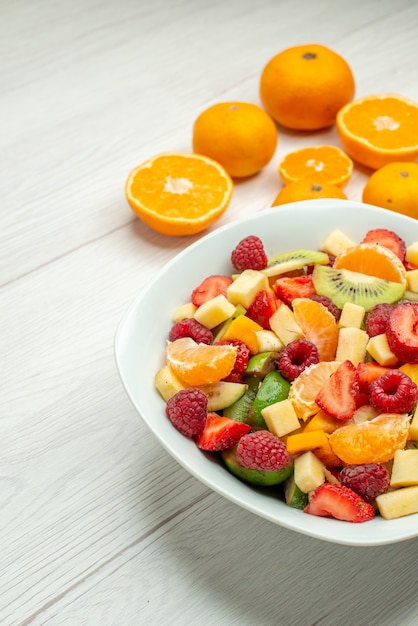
141,335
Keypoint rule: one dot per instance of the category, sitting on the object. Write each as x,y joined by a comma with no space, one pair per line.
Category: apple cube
352,315
398,503
184,311
246,286
214,311
379,350
283,323
336,242
404,469
352,344
412,280
412,253
413,427
309,472
281,418
166,383
268,341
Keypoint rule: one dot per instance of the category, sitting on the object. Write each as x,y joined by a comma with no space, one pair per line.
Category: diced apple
184,311
364,413
413,427
352,344
283,323
379,350
214,311
336,242
268,341
166,382
352,315
246,286
281,418
398,503
404,469
223,394
411,254
309,472
412,280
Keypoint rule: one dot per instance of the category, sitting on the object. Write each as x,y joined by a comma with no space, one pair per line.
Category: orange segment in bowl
306,387
200,364
374,260
321,163
318,324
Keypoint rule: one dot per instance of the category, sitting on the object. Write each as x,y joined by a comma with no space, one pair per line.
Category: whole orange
238,135
303,87
394,187
307,190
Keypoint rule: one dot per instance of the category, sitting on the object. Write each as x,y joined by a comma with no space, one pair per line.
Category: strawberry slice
339,502
402,332
338,395
367,373
388,239
262,308
211,287
289,287
220,433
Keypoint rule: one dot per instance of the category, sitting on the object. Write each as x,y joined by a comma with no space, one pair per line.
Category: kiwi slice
343,286
294,260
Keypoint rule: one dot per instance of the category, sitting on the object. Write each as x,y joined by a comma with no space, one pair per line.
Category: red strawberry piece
211,287
367,373
220,433
328,303
261,450
410,266
393,392
388,239
378,318
187,411
262,308
241,360
189,327
289,287
339,502
295,357
402,332
338,395
249,254
368,480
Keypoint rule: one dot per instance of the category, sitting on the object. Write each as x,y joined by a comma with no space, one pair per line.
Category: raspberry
295,357
187,411
249,254
328,303
377,319
261,450
368,480
393,392
189,327
241,360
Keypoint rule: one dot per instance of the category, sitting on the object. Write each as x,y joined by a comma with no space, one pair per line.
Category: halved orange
319,326
321,163
179,194
307,385
374,260
198,363
379,129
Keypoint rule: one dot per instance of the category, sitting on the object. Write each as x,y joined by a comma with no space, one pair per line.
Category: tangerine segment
380,129
374,260
319,326
323,163
179,194
307,385
200,364
373,441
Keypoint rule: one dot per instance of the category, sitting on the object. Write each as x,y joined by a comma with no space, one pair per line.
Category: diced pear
398,503
412,280
166,382
268,341
246,286
352,315
184,311
379,350
404,469
283,323
214,311
352,344
413,427
281,418
223,394
411,254
336,242
364,413
309,472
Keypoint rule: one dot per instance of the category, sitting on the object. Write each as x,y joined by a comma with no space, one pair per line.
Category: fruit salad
300,372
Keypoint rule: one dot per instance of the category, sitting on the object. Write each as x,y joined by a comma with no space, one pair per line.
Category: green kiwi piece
293,495
262,363
274,388
294,260
239,410
343,286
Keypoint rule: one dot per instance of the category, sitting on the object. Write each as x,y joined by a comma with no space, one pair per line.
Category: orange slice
374,260
307,385
179,194
380,129
372,441
199,364
321,163
319,326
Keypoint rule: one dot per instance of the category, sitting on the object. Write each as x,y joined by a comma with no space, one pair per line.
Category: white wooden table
98,525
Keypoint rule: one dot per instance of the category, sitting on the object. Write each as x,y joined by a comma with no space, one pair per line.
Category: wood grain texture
98,525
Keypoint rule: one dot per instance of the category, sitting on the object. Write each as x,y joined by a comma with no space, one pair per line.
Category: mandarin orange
394,187
307,385
200,364
374,260
319,326
328,164
307,190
